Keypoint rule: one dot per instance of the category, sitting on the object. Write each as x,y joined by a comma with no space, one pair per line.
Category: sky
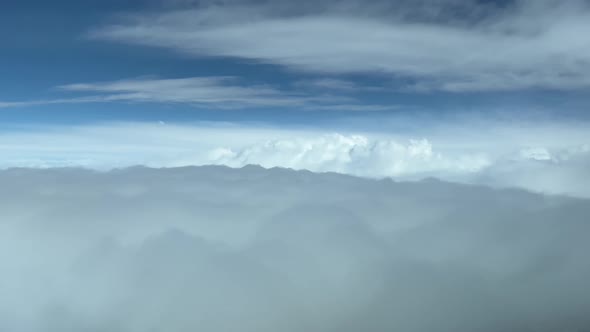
279,165
404,89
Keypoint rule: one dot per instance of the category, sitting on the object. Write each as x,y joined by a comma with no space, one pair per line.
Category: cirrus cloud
211,92
529,44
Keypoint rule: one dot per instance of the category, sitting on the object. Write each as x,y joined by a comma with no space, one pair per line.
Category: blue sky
465,90
48,47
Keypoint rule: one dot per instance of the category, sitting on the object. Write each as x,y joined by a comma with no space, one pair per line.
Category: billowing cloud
542,169
252,249
355,155
542,158
432,45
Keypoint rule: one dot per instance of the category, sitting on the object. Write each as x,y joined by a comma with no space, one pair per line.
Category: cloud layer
544,158
432,45
251,249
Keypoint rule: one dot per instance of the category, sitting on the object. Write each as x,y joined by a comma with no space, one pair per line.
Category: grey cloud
218,249
441,45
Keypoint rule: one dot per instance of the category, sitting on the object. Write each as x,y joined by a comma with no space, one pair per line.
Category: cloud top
498,156
252,249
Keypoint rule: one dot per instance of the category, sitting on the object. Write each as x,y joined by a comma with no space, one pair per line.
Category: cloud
336,84
542,169
433,45
544,158
29,103
251,249
355,108
202,92
212,91
539,169
355,155
329,83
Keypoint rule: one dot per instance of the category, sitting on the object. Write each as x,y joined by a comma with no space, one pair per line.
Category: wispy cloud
354,107
209,92
223,92
529,44
335,84
28,103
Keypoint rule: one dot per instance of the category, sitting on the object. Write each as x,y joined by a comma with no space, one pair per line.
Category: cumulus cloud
434,45
525,158
350,155
542,169
252,249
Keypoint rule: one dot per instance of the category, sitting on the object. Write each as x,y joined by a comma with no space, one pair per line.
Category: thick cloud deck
220,249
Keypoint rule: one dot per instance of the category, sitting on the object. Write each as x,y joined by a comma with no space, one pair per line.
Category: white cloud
356,155
329,83
552,163
28,103
210,92
558,170
532,45
335,84
535,154
354,107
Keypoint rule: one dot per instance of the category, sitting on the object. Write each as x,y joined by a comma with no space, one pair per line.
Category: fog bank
219,249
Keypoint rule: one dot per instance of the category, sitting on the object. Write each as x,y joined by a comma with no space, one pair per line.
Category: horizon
288,166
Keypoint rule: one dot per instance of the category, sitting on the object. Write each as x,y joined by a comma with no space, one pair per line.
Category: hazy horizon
289,166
